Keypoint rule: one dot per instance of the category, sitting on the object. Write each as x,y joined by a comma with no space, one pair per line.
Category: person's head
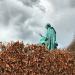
48,25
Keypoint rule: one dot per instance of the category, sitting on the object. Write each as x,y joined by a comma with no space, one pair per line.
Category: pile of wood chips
71,47
18,59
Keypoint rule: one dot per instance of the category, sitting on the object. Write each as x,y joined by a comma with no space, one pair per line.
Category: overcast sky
24,19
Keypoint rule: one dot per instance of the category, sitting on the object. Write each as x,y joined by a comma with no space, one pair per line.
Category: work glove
46,39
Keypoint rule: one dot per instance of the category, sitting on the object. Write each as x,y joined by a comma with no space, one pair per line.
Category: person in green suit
49,40
51,37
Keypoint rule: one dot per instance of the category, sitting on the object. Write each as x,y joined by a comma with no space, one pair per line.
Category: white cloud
24,19
66,25
11,9
12,15
7,34
30,2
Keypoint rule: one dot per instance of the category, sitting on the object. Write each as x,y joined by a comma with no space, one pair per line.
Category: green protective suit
49,40
51,36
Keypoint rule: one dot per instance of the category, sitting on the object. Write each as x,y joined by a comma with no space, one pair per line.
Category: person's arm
40,34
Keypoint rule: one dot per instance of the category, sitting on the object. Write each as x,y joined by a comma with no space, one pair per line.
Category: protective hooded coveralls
50,38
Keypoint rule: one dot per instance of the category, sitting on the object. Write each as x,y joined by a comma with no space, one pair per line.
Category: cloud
60,5
12,15
72,3
24,19
30,2
64,24
11,9
8,34
16,18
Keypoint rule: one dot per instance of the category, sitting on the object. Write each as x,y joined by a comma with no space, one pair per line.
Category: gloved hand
46,39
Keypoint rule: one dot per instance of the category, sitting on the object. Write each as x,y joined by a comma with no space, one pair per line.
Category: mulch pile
71,47
18,59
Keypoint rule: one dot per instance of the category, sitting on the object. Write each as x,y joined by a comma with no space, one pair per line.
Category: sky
24,19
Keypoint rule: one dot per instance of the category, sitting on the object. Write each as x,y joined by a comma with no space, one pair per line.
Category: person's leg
52,42
49,44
